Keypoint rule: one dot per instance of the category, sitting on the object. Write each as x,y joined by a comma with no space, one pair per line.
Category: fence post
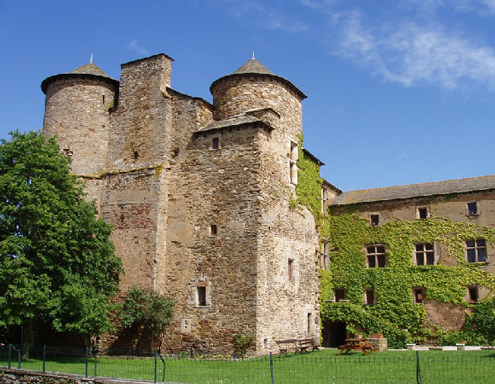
96,360
19,356
271,368
10,355
86,354
419,380
44,358
156,358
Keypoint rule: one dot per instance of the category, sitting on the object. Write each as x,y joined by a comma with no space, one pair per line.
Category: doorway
334,333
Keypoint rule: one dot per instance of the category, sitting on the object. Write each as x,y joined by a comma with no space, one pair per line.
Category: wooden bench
286,346
305,344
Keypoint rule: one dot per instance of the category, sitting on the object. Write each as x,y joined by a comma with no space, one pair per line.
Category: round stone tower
77,111
253,87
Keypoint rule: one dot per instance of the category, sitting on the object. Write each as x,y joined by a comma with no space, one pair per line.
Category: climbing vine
308,188
395,314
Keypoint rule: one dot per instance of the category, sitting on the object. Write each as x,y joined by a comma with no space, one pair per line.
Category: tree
152,311
56,260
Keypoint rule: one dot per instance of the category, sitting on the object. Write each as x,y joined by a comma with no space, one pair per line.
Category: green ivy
395,314
309,182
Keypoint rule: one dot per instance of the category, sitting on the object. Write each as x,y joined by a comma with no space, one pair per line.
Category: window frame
373,222
340,300
419,210
376,256
424,252
470,212
366,298
293,157
476,248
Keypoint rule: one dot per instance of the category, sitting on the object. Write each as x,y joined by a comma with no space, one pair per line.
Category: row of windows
424,254
422,213
369,297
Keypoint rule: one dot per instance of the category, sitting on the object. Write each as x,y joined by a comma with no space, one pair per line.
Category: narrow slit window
201,296
215,143
290,269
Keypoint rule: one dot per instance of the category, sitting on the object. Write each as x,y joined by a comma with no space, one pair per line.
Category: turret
77,111
252,87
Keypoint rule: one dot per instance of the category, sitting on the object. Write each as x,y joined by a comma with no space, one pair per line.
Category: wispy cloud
261,15
412,54
410,50
136,47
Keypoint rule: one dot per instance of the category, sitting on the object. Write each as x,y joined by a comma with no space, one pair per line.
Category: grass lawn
315,367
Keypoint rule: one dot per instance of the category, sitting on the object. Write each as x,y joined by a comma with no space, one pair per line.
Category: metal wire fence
326,366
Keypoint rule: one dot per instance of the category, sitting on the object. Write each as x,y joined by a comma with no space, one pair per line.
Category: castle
200,194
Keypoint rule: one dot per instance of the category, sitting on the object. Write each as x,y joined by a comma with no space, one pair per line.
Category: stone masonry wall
214,187
76,110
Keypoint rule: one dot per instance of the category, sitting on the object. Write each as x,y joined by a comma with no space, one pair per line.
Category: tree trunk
25,341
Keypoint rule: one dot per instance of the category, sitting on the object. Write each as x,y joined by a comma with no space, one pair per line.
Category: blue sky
399,91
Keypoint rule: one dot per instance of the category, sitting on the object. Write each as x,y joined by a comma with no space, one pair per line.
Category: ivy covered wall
395,314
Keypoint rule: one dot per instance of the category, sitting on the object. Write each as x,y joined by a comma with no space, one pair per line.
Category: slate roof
401,192
89,70
234,122
254,67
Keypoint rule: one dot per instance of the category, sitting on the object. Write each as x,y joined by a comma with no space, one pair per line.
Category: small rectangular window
290,269
375,255
215,143
472,208
340,294
213,230
423,213
425,254
369,297
308,329
476,251
473,294
419,295
375,220
201,296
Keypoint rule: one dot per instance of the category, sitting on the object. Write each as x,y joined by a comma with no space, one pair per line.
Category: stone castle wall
191,218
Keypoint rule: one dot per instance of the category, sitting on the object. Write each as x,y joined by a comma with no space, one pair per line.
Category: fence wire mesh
316,367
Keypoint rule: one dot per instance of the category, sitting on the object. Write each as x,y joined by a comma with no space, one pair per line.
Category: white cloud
134,46
411,54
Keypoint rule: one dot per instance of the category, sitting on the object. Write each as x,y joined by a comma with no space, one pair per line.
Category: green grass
316,367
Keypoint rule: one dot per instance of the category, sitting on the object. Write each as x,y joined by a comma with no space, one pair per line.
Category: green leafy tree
153,311
56,260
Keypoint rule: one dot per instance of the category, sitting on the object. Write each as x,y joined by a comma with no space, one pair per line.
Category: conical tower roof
254,67
89,70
